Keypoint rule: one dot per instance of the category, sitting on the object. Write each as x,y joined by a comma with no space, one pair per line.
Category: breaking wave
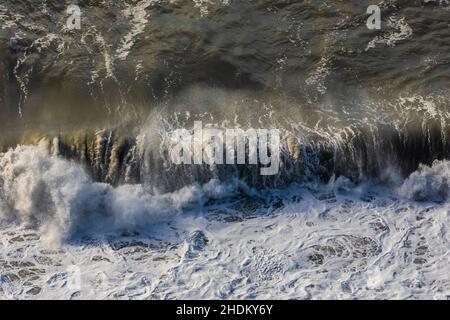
428,183
58,196
311,240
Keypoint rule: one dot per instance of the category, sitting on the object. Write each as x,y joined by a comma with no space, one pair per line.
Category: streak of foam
319,75
204,5
404,32
323,68
108,60
139,20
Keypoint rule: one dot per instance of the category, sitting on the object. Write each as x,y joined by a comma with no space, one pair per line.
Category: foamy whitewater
66,237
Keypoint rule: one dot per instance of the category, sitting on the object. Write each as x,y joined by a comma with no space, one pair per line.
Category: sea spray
57,195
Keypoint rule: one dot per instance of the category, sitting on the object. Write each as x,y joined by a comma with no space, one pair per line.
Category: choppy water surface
91,207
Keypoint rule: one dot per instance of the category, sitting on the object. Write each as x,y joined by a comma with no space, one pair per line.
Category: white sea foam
402,32
428,183
139,20
316,241
57,195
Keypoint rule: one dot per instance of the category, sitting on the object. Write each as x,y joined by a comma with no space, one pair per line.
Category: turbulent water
92,207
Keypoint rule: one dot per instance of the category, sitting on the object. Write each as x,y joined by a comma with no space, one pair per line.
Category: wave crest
428,183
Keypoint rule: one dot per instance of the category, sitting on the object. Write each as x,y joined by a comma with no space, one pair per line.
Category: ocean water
91,207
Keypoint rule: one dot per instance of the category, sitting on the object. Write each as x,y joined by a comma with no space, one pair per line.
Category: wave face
354,101
359,208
